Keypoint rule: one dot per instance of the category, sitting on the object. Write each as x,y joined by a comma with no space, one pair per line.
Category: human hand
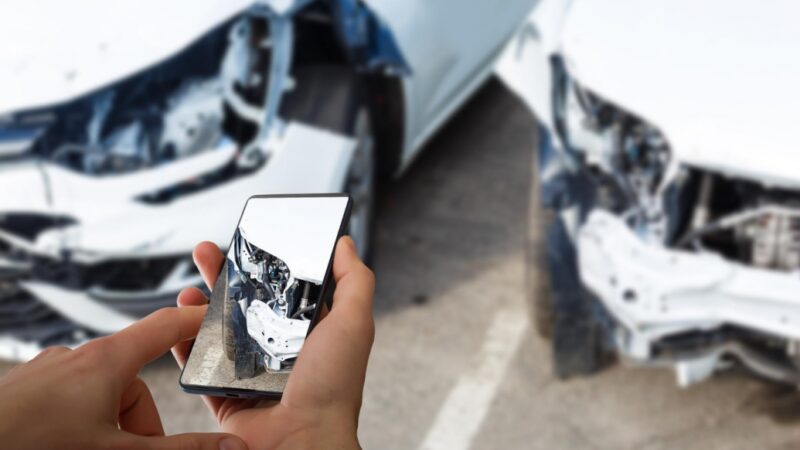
322,399
92,398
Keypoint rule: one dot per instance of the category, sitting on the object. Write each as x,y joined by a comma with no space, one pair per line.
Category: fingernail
230,443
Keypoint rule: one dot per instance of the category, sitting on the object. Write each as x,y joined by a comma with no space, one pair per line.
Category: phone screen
268,295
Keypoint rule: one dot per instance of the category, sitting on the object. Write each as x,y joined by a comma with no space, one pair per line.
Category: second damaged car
666,224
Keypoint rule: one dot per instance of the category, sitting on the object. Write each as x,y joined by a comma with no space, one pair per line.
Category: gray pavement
449,256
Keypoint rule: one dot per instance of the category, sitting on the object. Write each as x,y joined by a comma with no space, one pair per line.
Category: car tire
239,346
537,278
578,337
333,97
228,338
562,310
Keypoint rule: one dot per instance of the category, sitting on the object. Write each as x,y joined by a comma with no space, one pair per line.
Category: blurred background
581,215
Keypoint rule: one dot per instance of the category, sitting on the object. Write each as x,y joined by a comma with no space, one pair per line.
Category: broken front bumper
654,292
57,297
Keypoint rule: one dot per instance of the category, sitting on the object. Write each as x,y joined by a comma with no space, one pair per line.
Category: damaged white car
132,130
668,208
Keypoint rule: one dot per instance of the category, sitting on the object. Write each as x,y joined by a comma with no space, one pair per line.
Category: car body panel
730,69
715,80
120,227
449,57
62,49
525,64
65,59
729,106
679,291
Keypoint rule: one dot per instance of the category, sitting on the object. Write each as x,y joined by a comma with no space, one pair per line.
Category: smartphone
268,295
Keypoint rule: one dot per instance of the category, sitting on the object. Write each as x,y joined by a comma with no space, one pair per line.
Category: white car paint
79,308
301,232
717,80
679,291
717,77
63,49
280,337
525,63
452,47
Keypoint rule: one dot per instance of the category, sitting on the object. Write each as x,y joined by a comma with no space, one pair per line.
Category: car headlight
599,133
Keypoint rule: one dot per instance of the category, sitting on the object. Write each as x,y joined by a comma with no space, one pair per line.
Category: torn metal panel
683,213
272,297
281,338
75,261
656,292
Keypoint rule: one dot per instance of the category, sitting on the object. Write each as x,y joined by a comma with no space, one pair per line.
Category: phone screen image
268,295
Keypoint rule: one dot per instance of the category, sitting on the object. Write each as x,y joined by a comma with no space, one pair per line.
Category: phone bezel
325,297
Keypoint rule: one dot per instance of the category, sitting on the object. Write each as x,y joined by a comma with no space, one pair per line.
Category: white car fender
525,64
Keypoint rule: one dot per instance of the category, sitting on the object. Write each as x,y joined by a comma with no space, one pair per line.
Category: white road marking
465,408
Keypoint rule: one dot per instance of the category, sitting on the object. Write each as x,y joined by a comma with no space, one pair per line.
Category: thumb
190,441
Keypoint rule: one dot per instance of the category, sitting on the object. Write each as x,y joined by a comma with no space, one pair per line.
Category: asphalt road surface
455,365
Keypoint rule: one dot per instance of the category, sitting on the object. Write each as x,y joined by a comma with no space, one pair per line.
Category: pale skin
92,398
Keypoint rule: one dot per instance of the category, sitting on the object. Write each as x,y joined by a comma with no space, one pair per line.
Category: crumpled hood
718,77
55,50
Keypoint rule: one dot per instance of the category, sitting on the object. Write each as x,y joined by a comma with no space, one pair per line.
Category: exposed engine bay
270,308
224,87
211,95
686,266
204,126
746,222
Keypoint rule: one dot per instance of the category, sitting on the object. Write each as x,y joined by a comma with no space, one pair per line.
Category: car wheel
228,327
579,341
561,309
332,97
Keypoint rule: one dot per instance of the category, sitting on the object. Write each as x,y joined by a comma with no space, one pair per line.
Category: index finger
127,351
209,259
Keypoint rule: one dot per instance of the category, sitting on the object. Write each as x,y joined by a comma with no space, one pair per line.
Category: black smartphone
268,295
